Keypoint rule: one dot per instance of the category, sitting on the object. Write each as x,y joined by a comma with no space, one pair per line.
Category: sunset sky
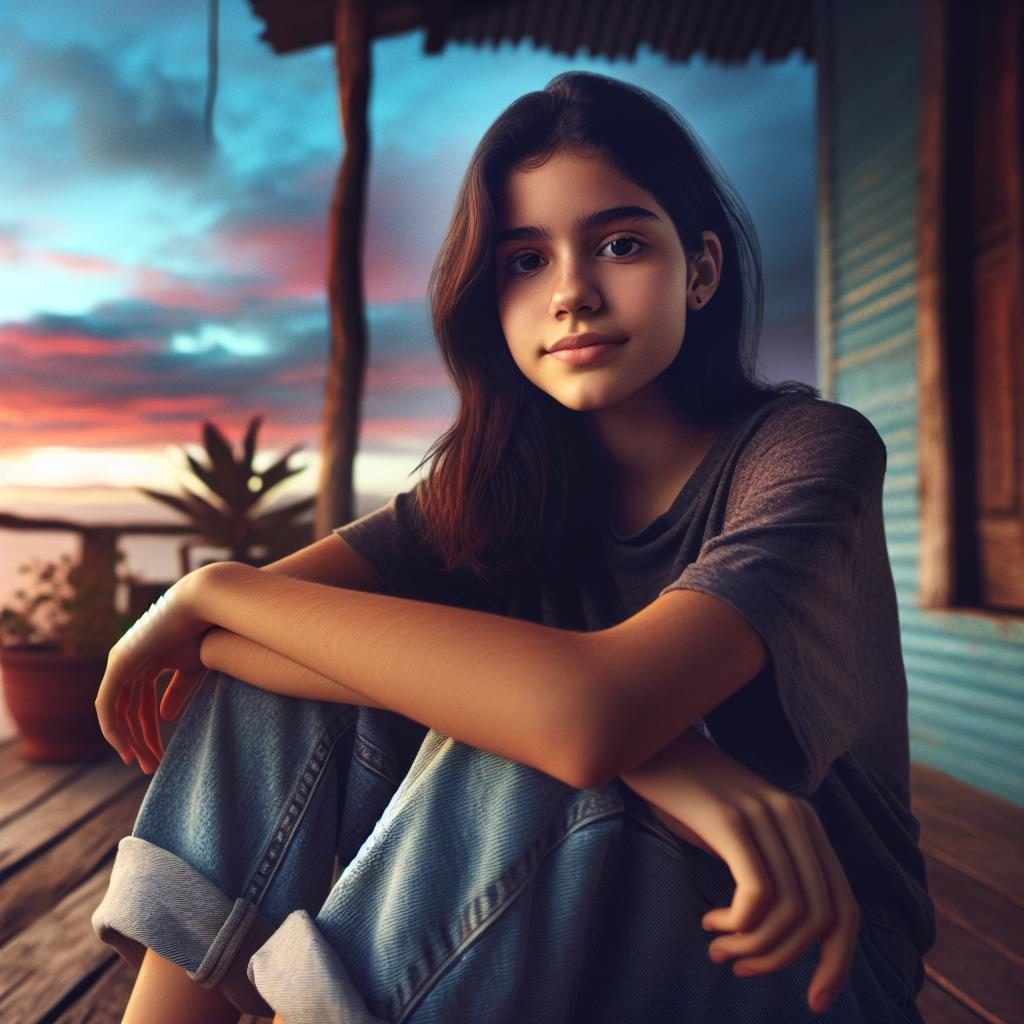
148,282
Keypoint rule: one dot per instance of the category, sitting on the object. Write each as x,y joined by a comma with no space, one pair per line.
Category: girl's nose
575,290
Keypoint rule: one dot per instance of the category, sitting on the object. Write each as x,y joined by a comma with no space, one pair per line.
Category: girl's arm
555,699
515,688
791,889
330,560
259,666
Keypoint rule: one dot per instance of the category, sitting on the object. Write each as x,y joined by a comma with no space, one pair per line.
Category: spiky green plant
231,521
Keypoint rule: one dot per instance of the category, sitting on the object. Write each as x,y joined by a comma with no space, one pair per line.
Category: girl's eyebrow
583,223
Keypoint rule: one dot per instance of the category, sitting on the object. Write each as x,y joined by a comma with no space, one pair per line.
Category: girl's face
625,275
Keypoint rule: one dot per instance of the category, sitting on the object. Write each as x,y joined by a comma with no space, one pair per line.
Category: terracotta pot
51,697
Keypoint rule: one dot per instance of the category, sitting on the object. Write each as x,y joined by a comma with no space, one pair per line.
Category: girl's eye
627,239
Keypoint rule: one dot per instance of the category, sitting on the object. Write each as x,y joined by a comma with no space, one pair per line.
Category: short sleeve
392,540
788,557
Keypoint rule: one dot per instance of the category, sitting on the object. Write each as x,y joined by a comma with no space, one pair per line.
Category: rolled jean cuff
157,900
301,975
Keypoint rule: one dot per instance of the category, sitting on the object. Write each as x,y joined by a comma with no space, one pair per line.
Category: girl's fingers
106,705
807,912
755,889
789,904
139,713
120,725
150,721
839,942
178,691
167,701
134,714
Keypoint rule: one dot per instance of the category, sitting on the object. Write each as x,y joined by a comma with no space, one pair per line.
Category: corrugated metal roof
728,31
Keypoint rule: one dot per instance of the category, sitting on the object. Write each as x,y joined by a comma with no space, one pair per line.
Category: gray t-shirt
782,520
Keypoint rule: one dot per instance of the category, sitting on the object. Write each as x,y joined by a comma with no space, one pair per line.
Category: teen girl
622,673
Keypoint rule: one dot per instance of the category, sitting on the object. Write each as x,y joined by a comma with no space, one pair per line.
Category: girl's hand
790,888
167,636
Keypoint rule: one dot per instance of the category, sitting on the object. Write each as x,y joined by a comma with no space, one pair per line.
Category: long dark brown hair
517,487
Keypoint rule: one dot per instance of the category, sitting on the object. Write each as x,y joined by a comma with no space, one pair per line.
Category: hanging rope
211,67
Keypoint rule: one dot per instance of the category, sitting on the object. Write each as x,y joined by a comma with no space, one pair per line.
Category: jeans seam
583,817
376,760
308,781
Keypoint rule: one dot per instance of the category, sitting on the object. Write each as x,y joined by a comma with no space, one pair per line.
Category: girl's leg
165,994
256,794
475,864
490,891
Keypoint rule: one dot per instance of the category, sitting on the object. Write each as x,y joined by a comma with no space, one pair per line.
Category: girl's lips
586,354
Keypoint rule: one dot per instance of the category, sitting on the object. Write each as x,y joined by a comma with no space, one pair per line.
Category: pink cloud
34,345
407,375
291,256
308,373
10,250
90,422
176,291
401,375
83,263
388,428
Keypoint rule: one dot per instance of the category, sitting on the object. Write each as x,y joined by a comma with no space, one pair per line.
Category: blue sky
148,282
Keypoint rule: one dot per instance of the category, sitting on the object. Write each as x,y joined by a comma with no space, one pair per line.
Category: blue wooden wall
965,672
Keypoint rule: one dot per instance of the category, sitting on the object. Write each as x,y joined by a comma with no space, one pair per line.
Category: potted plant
54,640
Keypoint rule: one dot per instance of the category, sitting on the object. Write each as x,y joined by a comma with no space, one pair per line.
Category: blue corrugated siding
965,672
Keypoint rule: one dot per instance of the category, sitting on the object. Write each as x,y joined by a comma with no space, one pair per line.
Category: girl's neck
651,452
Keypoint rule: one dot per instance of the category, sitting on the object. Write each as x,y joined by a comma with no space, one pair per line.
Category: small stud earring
698,300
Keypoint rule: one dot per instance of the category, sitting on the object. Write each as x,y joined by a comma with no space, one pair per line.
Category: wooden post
937,579
99,569
346,364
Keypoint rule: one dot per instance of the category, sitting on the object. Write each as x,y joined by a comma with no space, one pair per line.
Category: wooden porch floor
60,824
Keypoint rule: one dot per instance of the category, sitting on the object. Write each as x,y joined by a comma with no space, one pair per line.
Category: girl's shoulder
797,420
799,437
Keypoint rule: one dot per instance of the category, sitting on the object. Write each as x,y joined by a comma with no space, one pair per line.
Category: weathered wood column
347,362
99,576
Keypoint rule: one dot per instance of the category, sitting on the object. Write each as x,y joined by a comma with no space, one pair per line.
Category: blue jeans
471,888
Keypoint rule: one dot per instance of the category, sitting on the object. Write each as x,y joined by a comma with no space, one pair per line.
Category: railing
99,551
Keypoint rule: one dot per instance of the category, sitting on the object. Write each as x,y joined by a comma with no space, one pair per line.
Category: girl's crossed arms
790,888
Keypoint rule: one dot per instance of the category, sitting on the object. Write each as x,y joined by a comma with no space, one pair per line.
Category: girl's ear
705,271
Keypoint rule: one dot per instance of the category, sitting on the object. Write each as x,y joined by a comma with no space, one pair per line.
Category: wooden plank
9,757
987,915
937,1006
43,882
978,978
65,808
975,854
105,1001
42,967
982,812
27,784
